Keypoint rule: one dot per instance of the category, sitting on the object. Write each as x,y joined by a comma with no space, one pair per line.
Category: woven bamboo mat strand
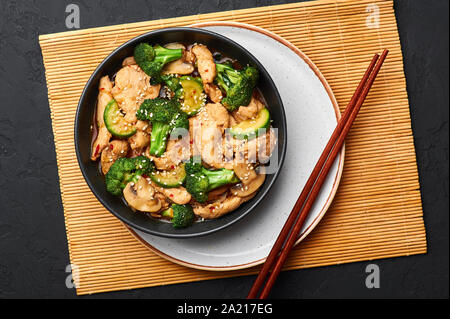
377,212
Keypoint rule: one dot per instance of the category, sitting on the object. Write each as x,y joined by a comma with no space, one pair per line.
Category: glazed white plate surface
311,117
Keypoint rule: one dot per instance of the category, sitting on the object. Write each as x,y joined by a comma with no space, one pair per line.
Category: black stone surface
33,245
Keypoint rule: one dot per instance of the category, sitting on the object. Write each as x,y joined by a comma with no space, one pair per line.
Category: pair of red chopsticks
294,223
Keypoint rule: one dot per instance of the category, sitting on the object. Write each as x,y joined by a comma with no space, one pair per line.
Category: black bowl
85,114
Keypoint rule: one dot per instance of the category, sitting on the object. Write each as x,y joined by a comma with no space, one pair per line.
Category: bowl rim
143,37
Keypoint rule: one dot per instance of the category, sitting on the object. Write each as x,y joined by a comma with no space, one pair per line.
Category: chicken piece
220,207
176,152
205,63
213,91
102,140
136,152
233,121
143,126
140,140
141,196
262,147
178,195
103,135
215,114
207,132
193,129
132,87
188,56
129,61
115,150
257,149
104,97
248,112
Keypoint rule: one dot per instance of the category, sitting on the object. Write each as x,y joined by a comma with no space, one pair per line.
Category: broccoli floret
194,165
152,59
197,185
183,215
200,181
166,117
125,170
237,84
144,52
180,215
173,84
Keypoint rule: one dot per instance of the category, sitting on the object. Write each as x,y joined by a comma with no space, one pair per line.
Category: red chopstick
294,223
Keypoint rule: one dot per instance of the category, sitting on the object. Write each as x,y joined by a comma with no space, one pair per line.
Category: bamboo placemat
377,212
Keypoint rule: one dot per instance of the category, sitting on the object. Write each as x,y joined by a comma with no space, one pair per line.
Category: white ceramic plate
312,114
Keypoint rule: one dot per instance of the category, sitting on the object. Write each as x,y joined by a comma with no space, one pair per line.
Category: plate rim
337,179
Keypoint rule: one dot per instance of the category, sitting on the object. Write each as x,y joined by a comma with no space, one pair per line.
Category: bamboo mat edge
205,16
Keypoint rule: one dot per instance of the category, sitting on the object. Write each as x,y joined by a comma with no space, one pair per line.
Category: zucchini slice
168,213
192,97
116,123
169,179
249,129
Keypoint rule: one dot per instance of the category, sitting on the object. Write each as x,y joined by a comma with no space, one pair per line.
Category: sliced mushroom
174,45
244,190
188,56
163,200
178,67
141,196
245,172
216,193
251,180
178,195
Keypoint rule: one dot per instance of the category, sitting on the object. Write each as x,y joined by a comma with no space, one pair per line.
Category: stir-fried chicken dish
181,133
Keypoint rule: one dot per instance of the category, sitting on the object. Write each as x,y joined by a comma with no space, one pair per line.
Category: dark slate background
33,246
